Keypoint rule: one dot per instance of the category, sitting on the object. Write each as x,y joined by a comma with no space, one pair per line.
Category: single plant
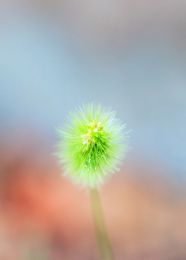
91,147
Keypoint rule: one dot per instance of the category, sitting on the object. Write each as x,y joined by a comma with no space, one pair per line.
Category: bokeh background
56,55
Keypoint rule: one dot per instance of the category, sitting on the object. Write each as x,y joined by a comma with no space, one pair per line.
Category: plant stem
103,243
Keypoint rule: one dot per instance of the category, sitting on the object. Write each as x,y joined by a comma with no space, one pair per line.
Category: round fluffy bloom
91,145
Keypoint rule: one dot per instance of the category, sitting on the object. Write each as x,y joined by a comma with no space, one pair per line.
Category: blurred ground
43,216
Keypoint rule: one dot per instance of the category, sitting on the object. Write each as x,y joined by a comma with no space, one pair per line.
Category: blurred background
56,55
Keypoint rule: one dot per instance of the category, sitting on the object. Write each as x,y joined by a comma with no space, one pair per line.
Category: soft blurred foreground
44,216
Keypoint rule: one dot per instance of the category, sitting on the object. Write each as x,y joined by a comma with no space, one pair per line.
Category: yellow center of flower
94,130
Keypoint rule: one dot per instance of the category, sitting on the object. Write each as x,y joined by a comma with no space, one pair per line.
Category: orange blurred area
44,216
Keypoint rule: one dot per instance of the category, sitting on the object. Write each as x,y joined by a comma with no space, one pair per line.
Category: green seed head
91,145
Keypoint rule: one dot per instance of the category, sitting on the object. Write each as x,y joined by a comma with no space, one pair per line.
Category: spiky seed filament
91,145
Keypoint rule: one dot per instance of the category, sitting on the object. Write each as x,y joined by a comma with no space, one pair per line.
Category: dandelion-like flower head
91,145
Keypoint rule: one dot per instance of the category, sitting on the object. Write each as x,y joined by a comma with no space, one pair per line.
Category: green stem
103,243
